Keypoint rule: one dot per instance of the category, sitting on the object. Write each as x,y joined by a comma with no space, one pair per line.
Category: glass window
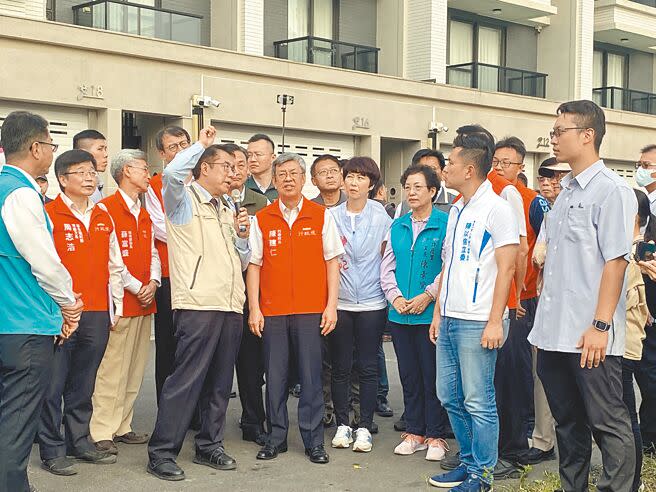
597,69
461,42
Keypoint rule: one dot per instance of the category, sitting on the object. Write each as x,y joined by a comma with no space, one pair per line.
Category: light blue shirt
177,201
590,224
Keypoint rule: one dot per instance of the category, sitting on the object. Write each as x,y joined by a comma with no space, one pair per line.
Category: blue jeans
465,386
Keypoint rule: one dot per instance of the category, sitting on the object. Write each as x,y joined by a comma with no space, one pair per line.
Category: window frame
476,21
605,50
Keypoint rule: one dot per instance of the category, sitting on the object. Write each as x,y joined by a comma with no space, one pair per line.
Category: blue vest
26,308
418,266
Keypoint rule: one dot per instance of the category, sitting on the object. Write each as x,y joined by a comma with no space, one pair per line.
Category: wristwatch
601,325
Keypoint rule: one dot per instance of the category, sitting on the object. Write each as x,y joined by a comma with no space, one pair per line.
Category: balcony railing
625,99
139,19
494,78
649,3
327,52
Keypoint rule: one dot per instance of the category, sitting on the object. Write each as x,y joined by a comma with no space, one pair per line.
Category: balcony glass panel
494,78
625,99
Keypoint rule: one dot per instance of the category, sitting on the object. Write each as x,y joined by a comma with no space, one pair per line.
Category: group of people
516,317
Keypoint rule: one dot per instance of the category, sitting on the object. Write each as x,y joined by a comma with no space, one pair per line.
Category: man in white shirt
38,302
95,143
479,262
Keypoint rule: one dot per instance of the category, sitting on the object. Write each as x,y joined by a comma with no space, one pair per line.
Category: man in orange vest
514,365
86,242
292,283
169,142
122,369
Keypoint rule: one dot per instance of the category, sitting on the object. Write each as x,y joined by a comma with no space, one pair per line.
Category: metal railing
133,18
625,99
494,78
321,51
649,3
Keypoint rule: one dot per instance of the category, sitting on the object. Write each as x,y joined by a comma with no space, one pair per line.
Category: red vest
84,253
134,239
531,279
162,248
293,275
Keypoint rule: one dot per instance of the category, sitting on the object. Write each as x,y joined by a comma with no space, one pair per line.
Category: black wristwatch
601,325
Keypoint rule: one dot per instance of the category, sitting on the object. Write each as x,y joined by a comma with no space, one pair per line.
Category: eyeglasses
557,132
180,145
54,146
328,172
645,165
228,168
415,188
145,169
504,163
284,175
83,174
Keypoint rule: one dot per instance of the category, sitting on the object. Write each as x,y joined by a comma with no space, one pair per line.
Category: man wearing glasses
169,142
261,152
293,282
122,369
326,173
208,250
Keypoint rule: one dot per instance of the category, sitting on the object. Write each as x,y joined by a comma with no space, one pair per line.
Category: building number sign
90,92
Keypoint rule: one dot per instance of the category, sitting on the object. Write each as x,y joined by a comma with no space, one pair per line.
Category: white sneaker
437,449
343,437
410,444
363,441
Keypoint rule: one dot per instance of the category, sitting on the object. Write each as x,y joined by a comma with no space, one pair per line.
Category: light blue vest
418,266
26,308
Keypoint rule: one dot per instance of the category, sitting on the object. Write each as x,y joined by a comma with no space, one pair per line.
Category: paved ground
347,471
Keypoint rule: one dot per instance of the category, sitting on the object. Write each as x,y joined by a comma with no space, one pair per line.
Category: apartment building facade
374,77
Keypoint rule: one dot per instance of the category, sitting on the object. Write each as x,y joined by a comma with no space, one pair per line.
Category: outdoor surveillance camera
205,101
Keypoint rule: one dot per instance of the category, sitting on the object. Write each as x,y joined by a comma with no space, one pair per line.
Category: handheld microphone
236,197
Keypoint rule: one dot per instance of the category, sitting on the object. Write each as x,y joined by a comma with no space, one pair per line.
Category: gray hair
123,158
286,157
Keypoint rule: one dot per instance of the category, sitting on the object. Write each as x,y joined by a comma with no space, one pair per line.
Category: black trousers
296,335
628,368
250,378
164,335
513,384
363,331
73,379
25,370
205,355
645,375
584,401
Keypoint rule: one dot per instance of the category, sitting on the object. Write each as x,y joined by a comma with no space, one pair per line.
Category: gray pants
584,401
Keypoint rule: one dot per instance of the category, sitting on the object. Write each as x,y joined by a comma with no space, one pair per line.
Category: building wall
32,9
357,21
275,23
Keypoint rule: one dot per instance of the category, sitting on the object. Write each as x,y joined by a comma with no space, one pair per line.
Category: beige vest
204,264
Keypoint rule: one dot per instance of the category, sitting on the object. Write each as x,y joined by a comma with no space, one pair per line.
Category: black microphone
236,197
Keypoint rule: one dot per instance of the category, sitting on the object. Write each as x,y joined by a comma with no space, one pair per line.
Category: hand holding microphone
242,222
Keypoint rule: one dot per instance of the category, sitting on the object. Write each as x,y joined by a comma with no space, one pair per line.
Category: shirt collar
652,196
584,178
285,210
72,206
32,181
483,188
204,194
132,205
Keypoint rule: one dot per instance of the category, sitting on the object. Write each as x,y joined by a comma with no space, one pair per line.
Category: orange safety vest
134,239
162,247
531,280
84,253
293,275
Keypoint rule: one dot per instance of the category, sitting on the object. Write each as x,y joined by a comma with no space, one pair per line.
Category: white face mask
643,177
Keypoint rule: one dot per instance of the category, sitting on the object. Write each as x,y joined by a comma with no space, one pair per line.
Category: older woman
411,264
363,225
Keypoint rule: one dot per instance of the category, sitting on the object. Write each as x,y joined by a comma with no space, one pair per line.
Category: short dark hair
209,153
432,181
70,158
261,136
174,131
363,165
421,153
644,211
20,130
377,186
648,148
477,146
522,177
232,148
324,157
512,143
587,115
87,135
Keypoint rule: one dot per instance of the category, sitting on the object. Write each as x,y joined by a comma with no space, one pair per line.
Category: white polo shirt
473,232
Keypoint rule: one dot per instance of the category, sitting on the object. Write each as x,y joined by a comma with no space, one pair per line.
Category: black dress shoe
217,459
399,425
96,457
254,434
451,462
61,466
384,410
270,452
505,469
535,456
318,455
166,470
374,428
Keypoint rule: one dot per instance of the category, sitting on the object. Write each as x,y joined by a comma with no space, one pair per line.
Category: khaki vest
204,264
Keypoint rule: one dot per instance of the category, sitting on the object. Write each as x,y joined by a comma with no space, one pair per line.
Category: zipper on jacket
193,279
453,243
